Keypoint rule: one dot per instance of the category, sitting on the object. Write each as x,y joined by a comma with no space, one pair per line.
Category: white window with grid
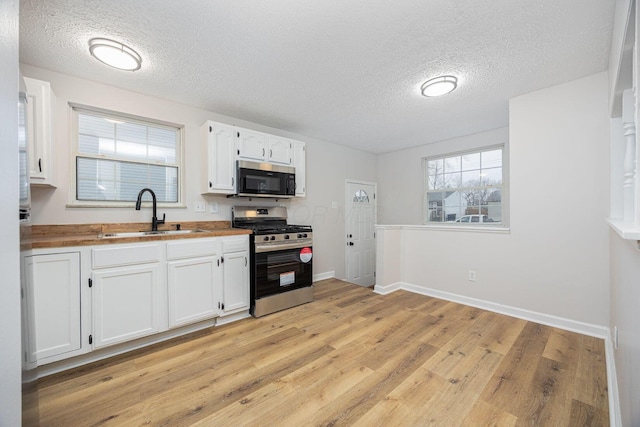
116,156
465,188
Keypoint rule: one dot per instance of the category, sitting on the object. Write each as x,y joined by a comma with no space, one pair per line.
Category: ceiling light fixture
115,54
439,86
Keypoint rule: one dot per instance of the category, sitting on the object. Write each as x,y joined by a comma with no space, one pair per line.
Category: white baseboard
615,417
542,318
545,319
324,276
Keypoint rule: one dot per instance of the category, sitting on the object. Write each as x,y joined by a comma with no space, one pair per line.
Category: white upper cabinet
40,107
224,144
220,158
279,150
261,147
299,162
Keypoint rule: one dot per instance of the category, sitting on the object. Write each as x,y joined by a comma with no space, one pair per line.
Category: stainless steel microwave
256,179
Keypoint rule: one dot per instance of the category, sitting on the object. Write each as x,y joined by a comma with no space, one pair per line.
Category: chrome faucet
154,220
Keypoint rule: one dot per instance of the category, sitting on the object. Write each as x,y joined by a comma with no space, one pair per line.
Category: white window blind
117,156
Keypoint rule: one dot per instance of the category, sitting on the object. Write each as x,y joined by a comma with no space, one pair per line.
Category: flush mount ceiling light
439,86
115,54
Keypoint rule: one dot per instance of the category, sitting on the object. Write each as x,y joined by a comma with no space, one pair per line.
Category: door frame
347,200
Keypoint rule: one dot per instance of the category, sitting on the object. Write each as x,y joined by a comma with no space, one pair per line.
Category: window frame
74,111
503,225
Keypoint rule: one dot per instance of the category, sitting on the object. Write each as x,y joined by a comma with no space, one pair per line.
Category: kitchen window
465,188
118,155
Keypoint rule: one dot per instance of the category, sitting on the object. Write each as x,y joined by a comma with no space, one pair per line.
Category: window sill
626,230
464,228
128,205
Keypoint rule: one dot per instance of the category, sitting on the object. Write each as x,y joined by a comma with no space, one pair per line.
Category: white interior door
360,211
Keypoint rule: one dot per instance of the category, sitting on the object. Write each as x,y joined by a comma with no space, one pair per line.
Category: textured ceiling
342,71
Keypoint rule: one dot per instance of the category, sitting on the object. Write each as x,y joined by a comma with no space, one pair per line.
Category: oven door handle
281,247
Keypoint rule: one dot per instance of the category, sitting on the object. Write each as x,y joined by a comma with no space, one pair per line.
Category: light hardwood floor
349,358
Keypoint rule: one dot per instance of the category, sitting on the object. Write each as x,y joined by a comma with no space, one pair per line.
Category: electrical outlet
213,207
472,275
199,207
615,337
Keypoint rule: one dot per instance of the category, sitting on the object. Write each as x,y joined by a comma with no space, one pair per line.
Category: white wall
625,296
554,260
10,407
328,165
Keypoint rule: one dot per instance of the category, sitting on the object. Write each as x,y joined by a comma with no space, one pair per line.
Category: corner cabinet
235,292
219,164
51,307
40,120
129,293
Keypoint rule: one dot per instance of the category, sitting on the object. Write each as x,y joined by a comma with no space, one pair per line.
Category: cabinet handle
232,181
263,152
270,153
245,261
40,164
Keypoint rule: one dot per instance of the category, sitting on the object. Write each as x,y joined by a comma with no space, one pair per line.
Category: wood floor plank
516,371
351,357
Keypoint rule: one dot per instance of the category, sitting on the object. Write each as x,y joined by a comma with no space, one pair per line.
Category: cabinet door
127,303
193,286
279,150
220,159
40,131
299,162
236,282
52,296
252,145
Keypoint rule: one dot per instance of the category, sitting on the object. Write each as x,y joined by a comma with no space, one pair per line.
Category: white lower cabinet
235,292
193,282
129,293
52,316
127,304
94,297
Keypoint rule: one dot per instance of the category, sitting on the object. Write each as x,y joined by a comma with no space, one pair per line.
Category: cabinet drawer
129,255
235,244
193,248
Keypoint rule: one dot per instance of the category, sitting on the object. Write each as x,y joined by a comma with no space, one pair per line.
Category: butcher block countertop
67,235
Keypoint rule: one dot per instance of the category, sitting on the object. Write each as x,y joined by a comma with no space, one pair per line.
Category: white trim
468,228
615,416
324,276
107,352
626,230
232,318
589,329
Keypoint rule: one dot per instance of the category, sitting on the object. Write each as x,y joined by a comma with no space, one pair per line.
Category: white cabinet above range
224,144
262,147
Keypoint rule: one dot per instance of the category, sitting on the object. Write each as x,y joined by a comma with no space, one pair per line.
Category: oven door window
281,271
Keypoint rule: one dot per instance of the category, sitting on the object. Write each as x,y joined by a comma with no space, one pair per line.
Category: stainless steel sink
147,233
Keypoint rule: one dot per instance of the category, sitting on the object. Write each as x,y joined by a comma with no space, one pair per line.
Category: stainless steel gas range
281,259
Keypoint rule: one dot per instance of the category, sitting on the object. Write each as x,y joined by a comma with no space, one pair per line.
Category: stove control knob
266,238
273,237
286,237
299,236
304,235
